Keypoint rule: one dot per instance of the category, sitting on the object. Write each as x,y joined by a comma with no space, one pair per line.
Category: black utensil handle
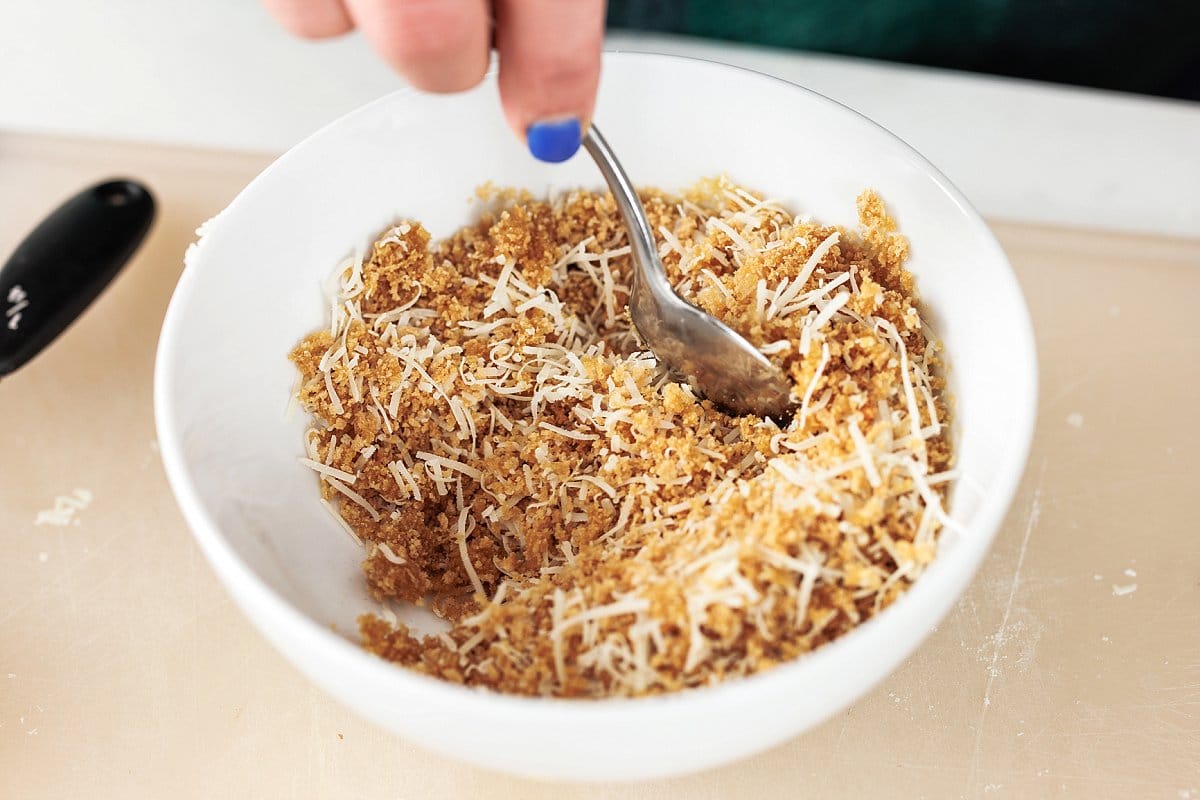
65,263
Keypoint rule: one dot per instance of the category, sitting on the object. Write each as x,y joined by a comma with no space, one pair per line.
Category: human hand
549,53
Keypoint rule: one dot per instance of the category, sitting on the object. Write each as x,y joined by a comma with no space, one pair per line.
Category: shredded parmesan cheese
331,472
487,424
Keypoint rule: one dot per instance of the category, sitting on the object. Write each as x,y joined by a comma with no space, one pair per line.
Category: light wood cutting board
125,671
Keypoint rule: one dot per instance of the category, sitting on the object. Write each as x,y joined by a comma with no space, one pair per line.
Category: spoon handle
65,263
641,239
696,346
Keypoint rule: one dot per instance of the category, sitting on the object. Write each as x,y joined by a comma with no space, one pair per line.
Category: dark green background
1149,47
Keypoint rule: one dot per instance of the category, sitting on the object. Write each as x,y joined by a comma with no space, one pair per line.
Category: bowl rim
258,600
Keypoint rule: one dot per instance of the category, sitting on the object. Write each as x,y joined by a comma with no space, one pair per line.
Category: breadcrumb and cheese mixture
487,425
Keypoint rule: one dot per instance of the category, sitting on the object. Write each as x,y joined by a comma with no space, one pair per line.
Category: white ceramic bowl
251,290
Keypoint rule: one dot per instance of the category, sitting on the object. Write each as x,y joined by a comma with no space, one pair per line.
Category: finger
549,70
438,45
311,19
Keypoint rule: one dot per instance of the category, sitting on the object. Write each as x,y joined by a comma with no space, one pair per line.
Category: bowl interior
253,288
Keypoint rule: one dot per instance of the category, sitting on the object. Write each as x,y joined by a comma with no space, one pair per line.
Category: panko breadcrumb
486,423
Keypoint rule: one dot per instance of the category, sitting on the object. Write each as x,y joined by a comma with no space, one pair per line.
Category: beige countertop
1070,668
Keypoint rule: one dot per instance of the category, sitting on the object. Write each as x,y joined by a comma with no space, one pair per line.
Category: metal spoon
717,361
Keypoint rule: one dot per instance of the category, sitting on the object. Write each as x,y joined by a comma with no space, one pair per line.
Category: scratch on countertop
1029,650
1001,635
837,753
151,456
1067,389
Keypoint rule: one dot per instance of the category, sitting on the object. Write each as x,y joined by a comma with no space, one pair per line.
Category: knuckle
306,23
566,70
314,32
426,32
446,81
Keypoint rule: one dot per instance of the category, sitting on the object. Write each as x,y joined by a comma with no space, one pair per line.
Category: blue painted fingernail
554,140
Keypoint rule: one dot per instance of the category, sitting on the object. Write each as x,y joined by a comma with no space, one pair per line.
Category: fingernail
554,140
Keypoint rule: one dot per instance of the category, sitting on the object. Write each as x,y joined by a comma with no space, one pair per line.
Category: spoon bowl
713,358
